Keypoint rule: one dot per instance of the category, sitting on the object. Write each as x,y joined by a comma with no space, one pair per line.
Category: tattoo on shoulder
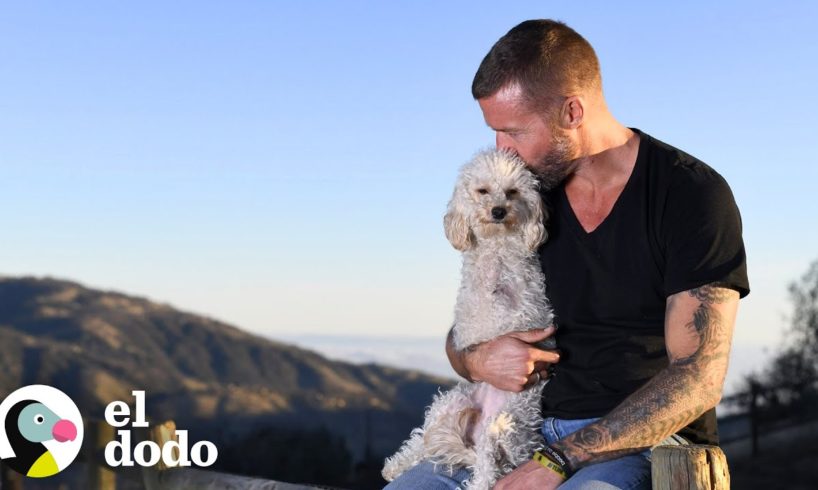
715,293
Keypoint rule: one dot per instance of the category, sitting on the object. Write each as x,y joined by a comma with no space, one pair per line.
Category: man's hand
529,475
509,362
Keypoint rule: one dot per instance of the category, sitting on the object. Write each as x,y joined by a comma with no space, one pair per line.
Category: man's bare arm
698,331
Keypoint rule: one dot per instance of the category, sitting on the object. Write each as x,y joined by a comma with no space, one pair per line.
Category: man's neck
609,152
601,175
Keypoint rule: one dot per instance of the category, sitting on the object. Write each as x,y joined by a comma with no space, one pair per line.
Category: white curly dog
495,217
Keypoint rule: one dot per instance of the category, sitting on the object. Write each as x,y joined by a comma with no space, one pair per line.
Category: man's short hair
545,57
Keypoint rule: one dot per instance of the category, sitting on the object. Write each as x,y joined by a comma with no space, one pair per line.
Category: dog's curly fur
495,217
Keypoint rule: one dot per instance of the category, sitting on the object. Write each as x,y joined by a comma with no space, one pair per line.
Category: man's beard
557,164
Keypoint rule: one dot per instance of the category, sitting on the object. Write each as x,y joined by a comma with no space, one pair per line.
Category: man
644,266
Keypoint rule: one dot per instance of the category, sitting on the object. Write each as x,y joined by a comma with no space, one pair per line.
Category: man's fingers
542,367
533,379
546,356
532,336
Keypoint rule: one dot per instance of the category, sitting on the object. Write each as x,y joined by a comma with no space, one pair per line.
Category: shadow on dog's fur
495,217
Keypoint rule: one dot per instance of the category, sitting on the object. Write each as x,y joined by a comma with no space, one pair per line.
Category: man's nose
502,141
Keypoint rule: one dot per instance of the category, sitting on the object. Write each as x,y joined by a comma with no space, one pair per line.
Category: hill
211,377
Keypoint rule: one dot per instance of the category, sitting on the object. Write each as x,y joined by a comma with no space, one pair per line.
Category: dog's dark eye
482,191
511,193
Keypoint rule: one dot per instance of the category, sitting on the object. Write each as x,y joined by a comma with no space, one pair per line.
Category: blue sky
285,166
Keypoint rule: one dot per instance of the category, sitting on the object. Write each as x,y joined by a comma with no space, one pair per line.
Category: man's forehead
511,92
506,108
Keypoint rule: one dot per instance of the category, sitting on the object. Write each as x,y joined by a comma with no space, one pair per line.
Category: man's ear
572,112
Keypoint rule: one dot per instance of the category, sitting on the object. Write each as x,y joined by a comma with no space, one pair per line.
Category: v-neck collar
635,173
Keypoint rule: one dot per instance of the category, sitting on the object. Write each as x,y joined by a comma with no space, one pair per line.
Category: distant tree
788,385
804,294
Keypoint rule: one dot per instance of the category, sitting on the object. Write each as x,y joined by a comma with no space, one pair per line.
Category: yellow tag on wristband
546,462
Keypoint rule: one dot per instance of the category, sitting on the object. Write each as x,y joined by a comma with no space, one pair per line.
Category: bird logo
42,431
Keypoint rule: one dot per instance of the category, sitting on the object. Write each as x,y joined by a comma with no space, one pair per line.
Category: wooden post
693,467
100,477
160,434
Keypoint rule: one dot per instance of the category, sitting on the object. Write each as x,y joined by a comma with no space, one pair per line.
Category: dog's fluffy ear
534,233
456,223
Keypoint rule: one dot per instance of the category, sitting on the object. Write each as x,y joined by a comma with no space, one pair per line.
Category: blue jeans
630,472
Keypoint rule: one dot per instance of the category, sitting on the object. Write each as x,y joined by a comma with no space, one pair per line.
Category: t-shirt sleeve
702,226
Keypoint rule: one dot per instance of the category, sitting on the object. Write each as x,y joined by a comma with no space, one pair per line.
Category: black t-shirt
674,227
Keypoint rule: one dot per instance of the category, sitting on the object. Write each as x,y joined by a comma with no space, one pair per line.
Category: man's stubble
557,164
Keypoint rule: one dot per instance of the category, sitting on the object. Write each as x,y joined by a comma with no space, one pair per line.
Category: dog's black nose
498,213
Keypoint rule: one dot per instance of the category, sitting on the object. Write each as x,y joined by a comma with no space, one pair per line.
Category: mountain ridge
97,346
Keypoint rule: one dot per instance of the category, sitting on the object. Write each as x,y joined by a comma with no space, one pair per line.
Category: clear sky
285,166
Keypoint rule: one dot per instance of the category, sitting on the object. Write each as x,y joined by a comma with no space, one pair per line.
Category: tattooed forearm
699,328
592,437
667,403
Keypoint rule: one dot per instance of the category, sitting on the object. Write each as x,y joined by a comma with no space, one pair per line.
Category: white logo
41,431
148,453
